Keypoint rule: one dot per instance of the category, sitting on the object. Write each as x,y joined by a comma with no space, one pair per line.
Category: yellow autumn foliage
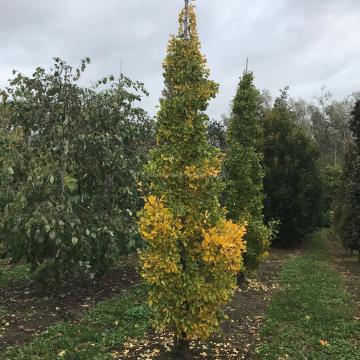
191,254
159,228
224,244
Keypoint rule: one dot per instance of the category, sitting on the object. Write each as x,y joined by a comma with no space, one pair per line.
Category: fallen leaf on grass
324,343
62,353
286,356
114,354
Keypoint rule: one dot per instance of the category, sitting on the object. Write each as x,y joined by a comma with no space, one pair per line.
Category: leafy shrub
82,151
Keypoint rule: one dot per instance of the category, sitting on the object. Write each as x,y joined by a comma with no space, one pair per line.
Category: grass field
311,317
296,307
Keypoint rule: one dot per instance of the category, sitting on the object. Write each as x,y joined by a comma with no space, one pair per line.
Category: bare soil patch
26,311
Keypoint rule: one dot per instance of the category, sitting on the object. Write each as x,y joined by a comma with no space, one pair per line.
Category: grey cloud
304,44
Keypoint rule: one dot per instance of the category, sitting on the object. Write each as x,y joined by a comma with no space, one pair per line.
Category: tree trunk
182,349
241,280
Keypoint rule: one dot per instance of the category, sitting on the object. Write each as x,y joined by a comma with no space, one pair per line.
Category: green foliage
331,178
78,161
347,212
327,121
243,170
217,134
193,254
292,182
102,329
355,123
11,162
310,317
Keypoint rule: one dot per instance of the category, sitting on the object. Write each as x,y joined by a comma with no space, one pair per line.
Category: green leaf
70,183
131,244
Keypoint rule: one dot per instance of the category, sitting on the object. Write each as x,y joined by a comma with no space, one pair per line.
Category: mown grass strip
311,317
93,337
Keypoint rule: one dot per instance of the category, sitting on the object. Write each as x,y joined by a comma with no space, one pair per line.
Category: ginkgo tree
243,169
193,253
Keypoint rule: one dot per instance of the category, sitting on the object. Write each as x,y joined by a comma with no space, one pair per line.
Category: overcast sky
301,43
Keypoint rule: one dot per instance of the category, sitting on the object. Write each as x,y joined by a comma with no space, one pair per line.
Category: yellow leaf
324,343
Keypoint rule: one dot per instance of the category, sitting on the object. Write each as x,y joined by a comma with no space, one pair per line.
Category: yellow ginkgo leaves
157,222
191,252
224,244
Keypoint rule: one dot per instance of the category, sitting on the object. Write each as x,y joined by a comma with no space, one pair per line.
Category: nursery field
301,304
176,236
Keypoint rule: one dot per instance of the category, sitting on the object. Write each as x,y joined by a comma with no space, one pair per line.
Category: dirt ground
26,311
240,333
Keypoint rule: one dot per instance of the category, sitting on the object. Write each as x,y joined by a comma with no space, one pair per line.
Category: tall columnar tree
292,182
348,221
347,205
193,253
355,124
243,170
